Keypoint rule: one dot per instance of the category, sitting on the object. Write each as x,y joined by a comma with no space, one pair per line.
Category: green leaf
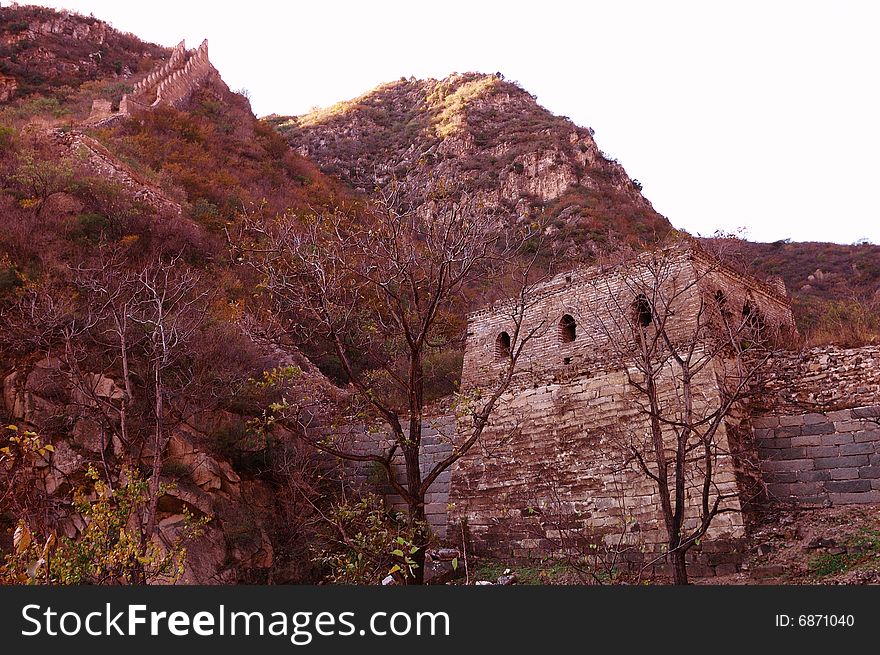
413,550
397,552
394,569
455,564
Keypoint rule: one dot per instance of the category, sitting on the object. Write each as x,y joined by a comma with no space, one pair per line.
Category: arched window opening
502,346
752,317
642,309
567,329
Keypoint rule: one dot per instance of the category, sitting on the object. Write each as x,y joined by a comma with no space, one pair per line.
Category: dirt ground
833,545
828,545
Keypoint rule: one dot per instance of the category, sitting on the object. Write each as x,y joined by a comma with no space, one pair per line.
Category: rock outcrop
234,546
491,139
44,50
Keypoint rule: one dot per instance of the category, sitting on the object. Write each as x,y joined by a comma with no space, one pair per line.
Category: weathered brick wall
819,428
548,477
822,379
821,458
437,439
171,84
178,55
177,87
599,299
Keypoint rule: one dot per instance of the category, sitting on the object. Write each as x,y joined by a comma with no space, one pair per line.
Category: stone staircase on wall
170,85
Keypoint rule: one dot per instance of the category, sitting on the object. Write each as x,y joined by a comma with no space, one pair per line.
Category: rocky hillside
104,221
51,54
492,138
95,222
834,288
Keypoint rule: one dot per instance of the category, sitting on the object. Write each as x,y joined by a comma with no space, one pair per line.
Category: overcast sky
756,115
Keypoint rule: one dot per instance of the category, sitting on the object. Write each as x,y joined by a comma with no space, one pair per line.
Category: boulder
88,435
64,463
104,387
181,494
258,494
201,468
206,554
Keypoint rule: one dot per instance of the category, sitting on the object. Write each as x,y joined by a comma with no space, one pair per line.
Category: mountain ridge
490,136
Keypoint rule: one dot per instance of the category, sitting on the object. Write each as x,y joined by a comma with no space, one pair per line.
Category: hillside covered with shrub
496,141
133,346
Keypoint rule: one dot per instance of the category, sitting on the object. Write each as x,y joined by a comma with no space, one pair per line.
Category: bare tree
676,334
385,291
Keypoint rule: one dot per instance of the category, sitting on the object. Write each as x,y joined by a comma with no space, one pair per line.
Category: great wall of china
545,472
170,85
814,432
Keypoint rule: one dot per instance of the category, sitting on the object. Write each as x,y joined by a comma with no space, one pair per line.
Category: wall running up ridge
172,84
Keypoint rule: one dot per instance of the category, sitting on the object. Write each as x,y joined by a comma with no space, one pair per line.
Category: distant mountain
492,138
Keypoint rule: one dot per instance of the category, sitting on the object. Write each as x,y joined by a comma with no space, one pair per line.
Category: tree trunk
153,503
412,451
679,567
416,507
419,528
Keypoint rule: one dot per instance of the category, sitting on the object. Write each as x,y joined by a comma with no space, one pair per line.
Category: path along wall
818,431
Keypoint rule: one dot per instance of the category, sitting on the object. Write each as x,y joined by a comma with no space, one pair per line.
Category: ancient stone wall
821,458
818,432
599,300
177,87
550,475
172,84
437,439
151,81
822,379
85,151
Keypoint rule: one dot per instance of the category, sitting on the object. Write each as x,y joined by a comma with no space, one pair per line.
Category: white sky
763,115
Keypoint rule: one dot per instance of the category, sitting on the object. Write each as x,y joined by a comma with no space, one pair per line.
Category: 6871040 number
815,621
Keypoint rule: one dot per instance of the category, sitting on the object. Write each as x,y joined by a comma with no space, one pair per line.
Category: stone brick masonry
821,458
548,475
437,439
819,430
